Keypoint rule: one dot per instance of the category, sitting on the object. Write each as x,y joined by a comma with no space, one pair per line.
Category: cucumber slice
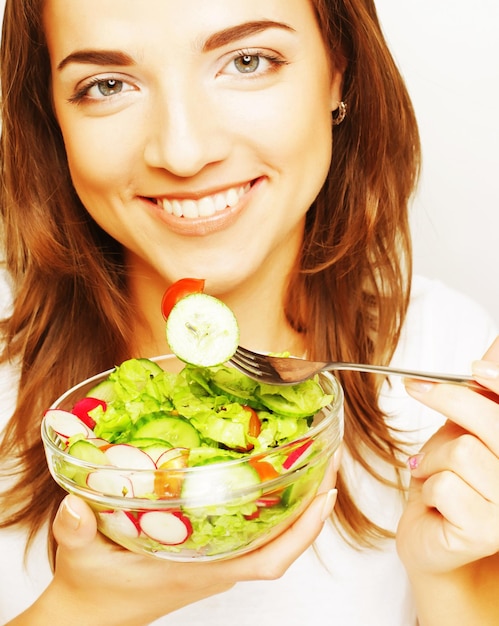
301,488
207,455
103,391
220,484
147,442
152,367
177,431
202,330
86,451
153,447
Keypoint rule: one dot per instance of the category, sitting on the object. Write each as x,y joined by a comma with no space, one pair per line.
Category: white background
448,51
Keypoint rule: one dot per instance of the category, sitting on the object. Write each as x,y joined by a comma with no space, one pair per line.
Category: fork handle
456,379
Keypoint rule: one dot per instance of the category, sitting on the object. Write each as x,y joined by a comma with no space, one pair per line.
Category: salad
142,417
202,461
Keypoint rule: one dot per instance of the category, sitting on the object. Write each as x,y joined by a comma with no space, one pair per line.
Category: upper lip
202,204
198,195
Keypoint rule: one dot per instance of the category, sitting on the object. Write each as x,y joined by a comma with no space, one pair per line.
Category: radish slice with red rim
174,458
82,408
297,454
110,484
167,527
99,442
66,424
266,502
126,456
119,523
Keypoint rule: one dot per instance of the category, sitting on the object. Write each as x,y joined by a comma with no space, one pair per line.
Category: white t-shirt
444,331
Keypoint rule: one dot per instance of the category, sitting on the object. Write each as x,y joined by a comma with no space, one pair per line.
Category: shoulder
444,328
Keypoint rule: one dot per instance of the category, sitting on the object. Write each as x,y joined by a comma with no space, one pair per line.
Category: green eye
247,63
110,87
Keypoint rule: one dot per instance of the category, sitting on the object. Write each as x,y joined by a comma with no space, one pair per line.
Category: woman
142,144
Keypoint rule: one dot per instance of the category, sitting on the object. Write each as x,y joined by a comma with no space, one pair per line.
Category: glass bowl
215,510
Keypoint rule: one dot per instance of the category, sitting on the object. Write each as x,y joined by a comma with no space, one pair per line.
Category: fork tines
248,363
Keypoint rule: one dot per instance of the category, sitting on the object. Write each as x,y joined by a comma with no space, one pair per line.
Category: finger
467,457
75,525
472,411
469,522
272,560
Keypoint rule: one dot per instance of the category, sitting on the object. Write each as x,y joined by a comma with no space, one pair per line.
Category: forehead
77,22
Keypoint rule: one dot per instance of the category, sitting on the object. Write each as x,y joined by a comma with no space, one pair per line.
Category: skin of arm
448,537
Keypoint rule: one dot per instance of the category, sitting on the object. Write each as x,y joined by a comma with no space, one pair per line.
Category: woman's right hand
98,583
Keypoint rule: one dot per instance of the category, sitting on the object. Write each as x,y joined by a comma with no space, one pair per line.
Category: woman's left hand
452,515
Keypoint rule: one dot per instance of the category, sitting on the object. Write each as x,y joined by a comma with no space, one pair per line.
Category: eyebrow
233,33
96,57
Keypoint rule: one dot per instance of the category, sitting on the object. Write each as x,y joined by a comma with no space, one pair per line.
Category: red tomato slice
177,291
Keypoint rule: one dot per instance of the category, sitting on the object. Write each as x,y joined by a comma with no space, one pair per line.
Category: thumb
75,525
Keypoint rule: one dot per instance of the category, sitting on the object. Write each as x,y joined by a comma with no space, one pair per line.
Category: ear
336,90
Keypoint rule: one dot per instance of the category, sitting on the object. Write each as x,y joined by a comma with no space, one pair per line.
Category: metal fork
275,370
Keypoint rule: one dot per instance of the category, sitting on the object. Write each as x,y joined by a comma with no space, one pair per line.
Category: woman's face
197,133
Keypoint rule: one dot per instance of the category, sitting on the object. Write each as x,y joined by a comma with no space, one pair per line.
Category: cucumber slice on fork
201,330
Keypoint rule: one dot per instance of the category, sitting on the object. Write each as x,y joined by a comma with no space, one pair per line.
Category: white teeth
205,207
177,209
190,209
232,198
220,202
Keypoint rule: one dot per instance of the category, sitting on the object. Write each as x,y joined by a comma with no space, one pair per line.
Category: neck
259,309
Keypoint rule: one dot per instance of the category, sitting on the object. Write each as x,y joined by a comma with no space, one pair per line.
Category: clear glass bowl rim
333,412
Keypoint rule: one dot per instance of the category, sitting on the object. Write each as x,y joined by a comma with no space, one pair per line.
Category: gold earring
340,113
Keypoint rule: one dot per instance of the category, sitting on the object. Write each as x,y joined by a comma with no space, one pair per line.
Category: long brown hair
348,295
352,289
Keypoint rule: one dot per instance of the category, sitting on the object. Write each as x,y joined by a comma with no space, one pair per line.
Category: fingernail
328,506
485,369
69,515
414,461
418,386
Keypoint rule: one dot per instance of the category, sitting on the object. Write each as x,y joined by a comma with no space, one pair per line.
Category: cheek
300,129
305,144
310,135
96,146
97,171
98,158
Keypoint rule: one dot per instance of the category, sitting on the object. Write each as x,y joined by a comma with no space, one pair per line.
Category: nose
185,134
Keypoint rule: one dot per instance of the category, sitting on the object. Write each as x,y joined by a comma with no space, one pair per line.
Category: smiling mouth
206,206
